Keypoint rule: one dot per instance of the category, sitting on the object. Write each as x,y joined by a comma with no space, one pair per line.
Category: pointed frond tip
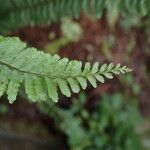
42,75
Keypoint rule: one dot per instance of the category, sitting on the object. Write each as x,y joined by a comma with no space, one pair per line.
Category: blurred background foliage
110,125
115,116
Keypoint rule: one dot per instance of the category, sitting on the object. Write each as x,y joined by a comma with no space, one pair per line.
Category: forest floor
100,43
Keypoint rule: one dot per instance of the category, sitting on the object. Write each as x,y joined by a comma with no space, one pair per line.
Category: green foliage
71,32
128,81
18,13
111,125
68,124
42,74
3,108
114,124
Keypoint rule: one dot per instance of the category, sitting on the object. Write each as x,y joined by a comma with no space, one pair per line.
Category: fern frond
42,74
18,13
66,120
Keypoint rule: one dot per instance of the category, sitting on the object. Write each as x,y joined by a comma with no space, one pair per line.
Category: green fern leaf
42,74
18,13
